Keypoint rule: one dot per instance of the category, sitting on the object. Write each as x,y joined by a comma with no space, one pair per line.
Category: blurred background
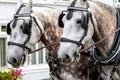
35,67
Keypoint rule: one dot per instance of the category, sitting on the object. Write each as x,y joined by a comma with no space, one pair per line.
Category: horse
86,20
33,24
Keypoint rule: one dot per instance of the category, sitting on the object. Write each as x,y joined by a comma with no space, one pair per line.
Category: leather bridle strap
69,40
78,43
49,45
86,48
19,45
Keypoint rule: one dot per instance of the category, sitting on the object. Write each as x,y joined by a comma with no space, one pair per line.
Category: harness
54,66
114,57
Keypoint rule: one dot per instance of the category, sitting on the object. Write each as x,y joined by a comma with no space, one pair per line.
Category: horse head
77,29
24,33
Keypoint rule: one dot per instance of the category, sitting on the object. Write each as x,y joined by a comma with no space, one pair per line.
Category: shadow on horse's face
76,33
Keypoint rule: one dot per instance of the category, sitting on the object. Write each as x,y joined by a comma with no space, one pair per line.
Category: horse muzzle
69,60
15,62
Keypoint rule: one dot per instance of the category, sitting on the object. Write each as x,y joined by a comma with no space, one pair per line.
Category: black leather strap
20,45
113,49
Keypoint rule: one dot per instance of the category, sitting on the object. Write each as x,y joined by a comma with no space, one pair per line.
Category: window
3,28
2,52
37,57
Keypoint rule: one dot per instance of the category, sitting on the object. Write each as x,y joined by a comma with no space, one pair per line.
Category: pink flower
17,72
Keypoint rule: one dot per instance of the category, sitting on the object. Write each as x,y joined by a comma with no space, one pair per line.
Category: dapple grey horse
86,20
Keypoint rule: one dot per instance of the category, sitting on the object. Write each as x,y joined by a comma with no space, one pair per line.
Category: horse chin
72,60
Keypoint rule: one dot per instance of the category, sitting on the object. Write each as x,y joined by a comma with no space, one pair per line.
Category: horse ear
60,22
8,29
18,4
28,7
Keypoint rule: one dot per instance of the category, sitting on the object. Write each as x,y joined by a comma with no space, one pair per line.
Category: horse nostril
12,61
66,59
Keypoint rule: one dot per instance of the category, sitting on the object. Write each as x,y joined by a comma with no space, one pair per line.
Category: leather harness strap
114,51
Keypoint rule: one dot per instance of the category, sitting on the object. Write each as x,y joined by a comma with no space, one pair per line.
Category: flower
18,72
10,74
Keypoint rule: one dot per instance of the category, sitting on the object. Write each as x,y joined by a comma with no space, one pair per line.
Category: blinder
26,27
60,22
84,21
8,28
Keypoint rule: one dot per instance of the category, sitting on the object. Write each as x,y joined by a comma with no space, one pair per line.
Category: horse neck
52,33
106,24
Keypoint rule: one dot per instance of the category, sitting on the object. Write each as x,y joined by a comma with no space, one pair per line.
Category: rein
49,45
98,41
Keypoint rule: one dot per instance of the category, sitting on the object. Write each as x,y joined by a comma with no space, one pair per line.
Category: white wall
6,12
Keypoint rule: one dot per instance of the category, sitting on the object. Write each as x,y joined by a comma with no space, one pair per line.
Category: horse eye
78,21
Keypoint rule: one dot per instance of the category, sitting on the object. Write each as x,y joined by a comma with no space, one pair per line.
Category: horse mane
52,32
105,6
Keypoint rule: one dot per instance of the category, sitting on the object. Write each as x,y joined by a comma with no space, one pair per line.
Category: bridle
32,18
89,16
79,43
